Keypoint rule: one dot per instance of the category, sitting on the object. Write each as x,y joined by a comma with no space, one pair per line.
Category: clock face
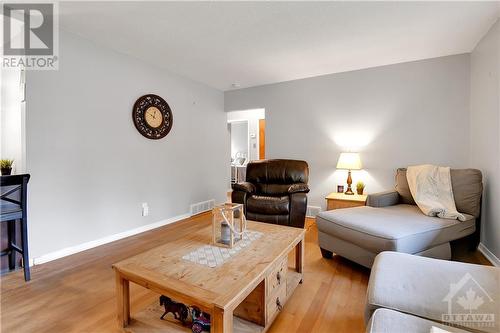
152,116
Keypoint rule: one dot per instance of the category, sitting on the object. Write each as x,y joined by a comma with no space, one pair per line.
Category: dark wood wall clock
152,116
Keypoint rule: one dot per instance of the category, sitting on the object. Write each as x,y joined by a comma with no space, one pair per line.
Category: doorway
239,140
247,132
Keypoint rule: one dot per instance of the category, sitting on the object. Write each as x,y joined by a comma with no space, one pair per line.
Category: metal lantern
228,224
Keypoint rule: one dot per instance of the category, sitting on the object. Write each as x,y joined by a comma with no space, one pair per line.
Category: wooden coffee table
244,294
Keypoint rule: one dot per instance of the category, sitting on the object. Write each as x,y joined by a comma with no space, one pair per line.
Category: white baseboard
489,255
101,241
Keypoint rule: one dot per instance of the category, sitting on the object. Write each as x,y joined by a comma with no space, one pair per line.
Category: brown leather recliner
274,192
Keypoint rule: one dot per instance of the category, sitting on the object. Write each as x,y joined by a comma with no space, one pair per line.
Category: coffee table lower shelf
148,320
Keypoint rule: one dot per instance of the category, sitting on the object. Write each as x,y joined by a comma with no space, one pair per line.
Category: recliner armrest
244,187
383,199
298,209
298,188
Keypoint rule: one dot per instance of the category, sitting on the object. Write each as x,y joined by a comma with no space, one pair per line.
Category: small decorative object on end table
340,200
360,187
340,188
349,161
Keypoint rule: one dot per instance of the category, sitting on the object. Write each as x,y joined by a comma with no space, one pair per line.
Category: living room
117,167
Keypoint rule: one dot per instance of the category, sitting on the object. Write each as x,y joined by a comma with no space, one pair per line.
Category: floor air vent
203,206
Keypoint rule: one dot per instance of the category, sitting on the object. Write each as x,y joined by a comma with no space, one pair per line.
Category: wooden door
262,139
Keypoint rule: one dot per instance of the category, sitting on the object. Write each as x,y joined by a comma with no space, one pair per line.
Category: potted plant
360,187
6,166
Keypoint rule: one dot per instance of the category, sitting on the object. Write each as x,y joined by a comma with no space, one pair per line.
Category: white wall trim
489,255
101,241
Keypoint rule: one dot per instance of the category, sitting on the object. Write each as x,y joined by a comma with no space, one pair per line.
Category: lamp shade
349,161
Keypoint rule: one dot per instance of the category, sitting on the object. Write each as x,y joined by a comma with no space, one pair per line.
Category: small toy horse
201,320
179,310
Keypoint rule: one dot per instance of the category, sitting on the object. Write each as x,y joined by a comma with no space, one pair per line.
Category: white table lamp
349,161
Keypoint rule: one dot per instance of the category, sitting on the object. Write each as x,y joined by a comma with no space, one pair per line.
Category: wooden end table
336,200
244,294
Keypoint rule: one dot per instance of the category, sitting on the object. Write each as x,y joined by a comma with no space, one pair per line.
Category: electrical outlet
145,209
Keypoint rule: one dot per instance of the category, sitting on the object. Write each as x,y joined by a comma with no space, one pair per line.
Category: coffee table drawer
275,303
277,277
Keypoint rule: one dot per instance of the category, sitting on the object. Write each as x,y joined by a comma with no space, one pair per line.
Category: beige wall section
485,131
91,169
397,115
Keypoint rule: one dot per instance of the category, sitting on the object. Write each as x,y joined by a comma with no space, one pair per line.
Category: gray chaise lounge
391,221
411,294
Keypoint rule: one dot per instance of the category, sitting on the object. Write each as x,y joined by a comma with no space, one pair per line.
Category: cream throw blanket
430,186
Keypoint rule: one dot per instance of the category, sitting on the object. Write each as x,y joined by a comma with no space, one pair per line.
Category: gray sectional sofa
410,294
391,221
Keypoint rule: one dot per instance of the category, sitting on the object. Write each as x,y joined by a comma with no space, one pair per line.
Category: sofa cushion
467,189
273,219
403,188
268,205
432,288
277,172
401,228
390,321
272,189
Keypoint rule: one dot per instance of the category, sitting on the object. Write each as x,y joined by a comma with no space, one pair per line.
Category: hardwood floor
77,293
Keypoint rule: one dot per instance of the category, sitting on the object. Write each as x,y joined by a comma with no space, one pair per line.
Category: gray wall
485,129
91,169
395,115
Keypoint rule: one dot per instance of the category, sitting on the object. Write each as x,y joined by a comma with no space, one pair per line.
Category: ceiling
256,43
